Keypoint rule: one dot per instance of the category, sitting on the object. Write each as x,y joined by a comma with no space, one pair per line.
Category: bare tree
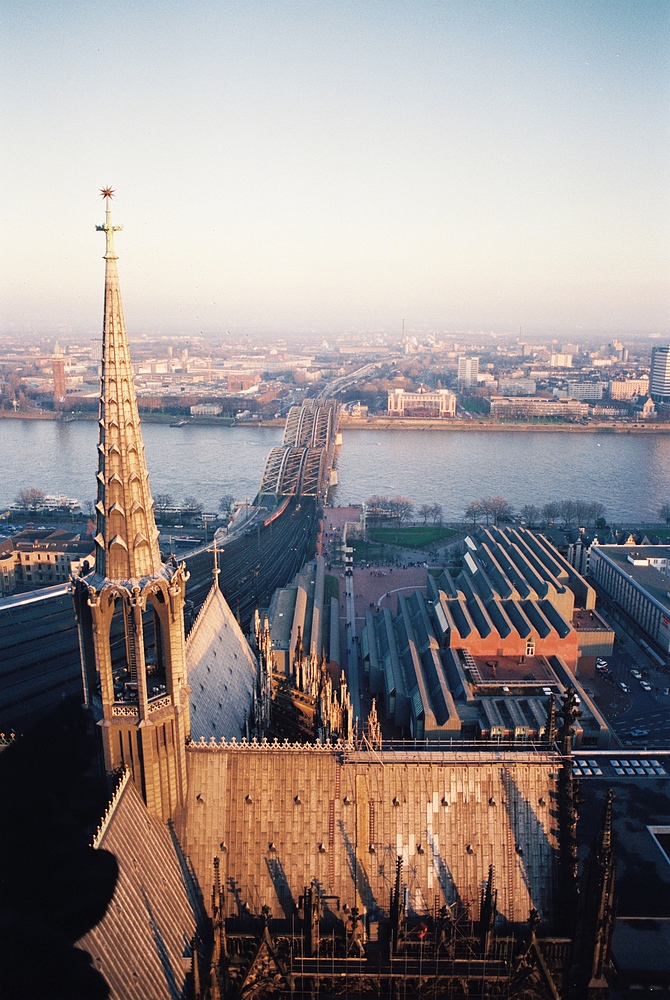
664,512
30,497
596,512
378,508
193,504
486,509
401,508
567,510
226,502
436,512
500,508
530,513
474,511
163,500
425,511
550,511
581,512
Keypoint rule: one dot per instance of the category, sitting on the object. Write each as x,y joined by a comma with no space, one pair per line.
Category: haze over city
302,167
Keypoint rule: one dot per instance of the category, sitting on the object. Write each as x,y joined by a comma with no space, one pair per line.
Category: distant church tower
130,606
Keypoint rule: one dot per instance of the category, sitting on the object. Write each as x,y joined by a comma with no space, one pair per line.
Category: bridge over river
39,647
303,464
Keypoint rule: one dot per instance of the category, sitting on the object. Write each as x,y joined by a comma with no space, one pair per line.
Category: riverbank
627,473
418,424
147,418
348,422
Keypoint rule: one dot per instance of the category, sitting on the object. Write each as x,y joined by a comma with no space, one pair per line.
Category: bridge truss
300,466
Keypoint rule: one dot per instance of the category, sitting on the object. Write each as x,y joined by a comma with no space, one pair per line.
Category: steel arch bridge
301,465
294,472
311,425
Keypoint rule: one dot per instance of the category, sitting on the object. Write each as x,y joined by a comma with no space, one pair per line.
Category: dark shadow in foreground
54,886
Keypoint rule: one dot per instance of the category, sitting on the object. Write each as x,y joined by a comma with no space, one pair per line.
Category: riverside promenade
379,423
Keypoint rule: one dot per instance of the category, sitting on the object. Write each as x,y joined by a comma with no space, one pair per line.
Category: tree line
578,513
400,509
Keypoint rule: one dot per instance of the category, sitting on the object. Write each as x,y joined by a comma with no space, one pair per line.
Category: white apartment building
627,388
517,386
585,390
468,370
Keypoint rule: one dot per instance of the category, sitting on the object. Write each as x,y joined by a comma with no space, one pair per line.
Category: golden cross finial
108,229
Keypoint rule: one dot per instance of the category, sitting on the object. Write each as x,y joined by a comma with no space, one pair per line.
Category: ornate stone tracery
129,607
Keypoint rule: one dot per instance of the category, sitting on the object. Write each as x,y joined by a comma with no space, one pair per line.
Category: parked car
645,685
636,674
624,687
600,662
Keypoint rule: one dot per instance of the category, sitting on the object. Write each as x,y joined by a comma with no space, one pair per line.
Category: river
629,475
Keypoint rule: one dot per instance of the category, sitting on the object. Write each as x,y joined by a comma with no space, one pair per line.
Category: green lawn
416,536
371,552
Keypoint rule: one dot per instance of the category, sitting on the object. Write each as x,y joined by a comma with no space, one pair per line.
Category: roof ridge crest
111,808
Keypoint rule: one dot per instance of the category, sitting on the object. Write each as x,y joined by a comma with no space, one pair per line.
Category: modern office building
585,390
659,381
636,578
468,370
503,407
517,386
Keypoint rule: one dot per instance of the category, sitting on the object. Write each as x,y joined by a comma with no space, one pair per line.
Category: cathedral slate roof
280,816
142,944
221,671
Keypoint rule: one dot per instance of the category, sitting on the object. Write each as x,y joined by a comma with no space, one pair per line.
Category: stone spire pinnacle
126,539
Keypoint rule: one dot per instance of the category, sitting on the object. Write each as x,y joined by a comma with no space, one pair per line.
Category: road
344,381
636,709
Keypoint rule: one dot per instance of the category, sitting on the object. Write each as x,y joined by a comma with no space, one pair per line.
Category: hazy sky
328,165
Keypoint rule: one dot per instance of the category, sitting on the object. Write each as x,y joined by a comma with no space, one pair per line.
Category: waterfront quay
383,423
377,423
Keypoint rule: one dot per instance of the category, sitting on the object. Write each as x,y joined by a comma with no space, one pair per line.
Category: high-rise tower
468,370
130,605
659,378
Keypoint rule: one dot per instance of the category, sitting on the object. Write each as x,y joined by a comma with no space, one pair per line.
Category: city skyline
314,168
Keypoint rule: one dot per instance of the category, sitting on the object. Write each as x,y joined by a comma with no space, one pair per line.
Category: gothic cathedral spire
130,606
127,539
